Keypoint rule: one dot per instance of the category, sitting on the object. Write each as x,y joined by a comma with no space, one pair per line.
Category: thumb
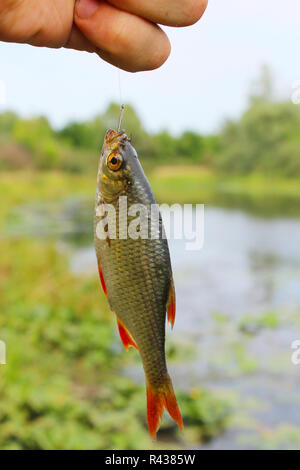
12,21
40,23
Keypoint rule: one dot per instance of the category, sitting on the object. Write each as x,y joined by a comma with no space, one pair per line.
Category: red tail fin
159,398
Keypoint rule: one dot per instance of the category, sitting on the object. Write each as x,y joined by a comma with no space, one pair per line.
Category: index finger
166,12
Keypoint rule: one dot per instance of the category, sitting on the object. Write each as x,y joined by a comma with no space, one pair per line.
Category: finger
167,12
13,27
121,38
38,23
78,41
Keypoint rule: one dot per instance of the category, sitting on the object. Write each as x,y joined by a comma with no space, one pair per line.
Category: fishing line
122,107
121,117
120,87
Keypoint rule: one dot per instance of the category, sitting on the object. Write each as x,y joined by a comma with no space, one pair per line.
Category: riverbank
180,184
253,193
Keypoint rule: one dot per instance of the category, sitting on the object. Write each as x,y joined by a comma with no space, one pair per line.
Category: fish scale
136,274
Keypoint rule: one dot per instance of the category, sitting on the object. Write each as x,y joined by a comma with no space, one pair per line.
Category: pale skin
125,33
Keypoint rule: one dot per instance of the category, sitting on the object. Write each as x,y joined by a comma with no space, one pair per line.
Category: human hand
125,33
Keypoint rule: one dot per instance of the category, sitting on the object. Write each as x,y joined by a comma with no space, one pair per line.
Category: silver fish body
136,272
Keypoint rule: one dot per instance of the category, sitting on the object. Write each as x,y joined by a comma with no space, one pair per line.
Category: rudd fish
136,273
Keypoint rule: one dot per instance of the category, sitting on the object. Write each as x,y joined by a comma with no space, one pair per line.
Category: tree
262,89
191,145
265,140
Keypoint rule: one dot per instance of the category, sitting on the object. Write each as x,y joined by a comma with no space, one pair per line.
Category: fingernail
86,8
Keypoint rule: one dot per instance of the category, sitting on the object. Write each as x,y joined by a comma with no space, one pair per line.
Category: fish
135,272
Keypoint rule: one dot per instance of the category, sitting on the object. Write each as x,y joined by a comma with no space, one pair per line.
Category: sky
205,81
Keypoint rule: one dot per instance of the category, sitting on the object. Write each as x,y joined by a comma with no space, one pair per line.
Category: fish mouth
115,138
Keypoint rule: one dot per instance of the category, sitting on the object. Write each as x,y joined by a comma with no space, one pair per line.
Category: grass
17,188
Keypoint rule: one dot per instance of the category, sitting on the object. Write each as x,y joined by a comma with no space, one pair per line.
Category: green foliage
89,135
36,136
83,134
165,143
279,436
266,140
200,407
191,145
7,122
76,146
252,324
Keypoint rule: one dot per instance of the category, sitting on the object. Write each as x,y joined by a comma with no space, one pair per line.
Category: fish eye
114,161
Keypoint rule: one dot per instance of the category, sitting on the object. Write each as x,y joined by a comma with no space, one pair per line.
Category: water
247,265
238,304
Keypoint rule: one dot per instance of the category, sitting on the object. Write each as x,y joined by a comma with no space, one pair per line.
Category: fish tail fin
159,398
